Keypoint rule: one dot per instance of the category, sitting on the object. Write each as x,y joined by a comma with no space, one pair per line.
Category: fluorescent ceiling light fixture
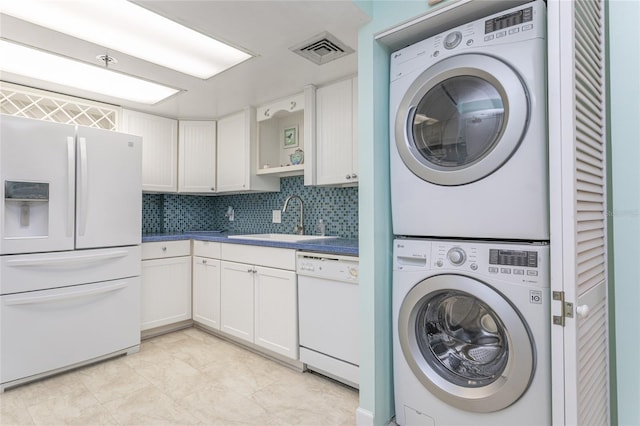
34,63
131,29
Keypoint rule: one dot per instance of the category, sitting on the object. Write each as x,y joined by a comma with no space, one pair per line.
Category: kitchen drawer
164,249
273,257
206,249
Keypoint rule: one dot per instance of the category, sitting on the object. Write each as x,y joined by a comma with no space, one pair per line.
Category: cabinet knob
212,188
204,261
250,270
266,112
293,104
353,176
164,249
348,177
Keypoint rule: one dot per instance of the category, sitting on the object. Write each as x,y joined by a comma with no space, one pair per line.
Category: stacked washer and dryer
469,191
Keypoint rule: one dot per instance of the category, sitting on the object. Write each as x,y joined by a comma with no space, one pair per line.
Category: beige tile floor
184,378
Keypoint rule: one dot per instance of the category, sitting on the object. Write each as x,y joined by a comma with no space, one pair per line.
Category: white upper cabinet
197,157
159,149
237,155
336,133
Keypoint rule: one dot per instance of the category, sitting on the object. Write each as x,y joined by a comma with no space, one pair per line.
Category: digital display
528,259
506,21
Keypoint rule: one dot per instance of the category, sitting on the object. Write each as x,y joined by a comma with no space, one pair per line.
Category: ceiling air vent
322,48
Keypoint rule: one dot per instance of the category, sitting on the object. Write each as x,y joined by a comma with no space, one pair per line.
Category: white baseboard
364,417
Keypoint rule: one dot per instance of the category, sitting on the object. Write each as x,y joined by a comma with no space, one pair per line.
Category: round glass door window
461,119
458,122
466,343
462,339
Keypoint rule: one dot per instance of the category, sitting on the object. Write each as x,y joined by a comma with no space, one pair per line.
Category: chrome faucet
299,228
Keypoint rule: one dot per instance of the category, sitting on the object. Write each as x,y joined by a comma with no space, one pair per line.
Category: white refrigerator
70,234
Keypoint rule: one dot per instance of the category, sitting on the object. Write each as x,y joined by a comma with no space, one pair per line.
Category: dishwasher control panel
342,268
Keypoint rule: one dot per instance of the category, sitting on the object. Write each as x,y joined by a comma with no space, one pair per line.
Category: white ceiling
264,28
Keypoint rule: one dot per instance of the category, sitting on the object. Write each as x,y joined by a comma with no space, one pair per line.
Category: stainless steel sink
283,238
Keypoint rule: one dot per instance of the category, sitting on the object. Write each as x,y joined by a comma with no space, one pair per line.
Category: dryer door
461,119
466,343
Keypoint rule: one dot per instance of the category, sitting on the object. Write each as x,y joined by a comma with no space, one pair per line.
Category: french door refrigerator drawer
29,272
47,330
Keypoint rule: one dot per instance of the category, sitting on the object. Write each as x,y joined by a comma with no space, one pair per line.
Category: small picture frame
291,137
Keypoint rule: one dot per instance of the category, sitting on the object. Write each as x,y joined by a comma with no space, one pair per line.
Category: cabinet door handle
250,270
266,112
293,104
204,261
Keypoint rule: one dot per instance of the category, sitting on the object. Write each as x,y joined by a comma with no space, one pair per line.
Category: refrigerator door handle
29,300
71,162
84,184
66,260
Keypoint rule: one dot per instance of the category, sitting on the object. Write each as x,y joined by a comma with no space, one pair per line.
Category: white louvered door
577,148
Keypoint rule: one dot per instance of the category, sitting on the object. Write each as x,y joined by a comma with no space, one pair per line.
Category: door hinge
566,307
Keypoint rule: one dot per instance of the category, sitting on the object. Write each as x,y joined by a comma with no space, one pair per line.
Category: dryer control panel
521,23
524,263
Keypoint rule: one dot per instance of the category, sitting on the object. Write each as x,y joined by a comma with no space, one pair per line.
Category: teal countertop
341,246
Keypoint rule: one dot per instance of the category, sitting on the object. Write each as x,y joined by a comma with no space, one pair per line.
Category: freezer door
46,330
109,189
32,272
37,191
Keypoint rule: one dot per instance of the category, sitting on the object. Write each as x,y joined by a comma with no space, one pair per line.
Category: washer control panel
514,262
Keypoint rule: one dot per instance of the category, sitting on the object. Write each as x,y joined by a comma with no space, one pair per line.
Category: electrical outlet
277,216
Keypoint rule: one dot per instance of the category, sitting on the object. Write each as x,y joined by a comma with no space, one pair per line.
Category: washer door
461,119
466,343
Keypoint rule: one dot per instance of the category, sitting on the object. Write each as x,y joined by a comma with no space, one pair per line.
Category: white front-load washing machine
471,333
468,142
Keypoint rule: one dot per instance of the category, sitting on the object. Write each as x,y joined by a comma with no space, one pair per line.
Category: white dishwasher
329,315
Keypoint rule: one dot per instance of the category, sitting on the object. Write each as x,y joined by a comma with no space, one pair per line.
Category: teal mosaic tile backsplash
337,207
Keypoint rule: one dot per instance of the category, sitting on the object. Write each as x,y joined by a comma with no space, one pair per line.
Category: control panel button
505,270
501,34
514,30
527,27
439,263
474,267
452,39
353,272
469,42
436,53
532,273
488,37
493,269
456,256
518,271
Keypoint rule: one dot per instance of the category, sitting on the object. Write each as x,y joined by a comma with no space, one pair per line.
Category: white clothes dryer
468,152
471,333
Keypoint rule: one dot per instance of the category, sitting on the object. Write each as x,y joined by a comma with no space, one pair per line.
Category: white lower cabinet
248,292
236,300
206,291
276,311
166,283
258,300
206,283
